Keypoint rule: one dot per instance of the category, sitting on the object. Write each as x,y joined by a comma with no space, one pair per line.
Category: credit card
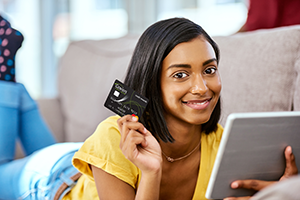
123,100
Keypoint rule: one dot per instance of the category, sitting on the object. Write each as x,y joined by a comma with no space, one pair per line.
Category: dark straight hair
144,71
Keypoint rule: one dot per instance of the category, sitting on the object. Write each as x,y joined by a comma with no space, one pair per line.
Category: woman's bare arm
110,187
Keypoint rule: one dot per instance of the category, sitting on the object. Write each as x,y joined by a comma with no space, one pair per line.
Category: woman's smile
197,104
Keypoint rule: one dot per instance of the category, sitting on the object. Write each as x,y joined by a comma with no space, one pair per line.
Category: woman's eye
180,75
211,70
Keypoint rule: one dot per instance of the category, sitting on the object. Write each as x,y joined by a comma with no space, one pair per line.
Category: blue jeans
40,176
47,167
20,119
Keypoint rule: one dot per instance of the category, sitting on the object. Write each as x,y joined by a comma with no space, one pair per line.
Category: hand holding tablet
257,185
252,148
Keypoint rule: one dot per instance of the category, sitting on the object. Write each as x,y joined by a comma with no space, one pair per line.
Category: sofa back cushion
259,71
296,102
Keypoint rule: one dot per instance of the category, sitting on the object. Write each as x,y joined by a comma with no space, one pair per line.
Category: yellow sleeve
102,150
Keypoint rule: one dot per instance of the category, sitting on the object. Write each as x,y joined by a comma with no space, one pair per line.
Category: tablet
252,147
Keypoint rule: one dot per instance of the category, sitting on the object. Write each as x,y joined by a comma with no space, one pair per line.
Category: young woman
167,154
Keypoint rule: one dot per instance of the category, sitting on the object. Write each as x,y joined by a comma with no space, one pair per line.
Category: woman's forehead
197,49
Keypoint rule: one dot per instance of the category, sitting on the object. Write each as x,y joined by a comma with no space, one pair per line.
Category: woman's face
190,82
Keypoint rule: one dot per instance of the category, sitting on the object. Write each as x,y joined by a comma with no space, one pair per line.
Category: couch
260,71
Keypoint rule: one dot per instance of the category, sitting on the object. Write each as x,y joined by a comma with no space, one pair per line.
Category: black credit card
123,100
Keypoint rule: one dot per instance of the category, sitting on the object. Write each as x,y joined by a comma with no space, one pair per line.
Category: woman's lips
197,104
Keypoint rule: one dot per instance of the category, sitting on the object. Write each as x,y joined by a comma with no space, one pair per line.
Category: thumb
290,164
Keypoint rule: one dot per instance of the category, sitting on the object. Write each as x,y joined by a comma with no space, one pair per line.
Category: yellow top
102,150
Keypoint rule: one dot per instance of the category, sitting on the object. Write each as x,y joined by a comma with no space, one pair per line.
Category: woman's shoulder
110,121
106,134
107,124
105,139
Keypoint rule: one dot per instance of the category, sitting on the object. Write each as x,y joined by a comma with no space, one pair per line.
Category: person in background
45,169
264,14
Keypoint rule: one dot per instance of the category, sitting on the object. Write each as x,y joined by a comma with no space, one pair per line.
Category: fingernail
135,118
290,150
145,130
234,185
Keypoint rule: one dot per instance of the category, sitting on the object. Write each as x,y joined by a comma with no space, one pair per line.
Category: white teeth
202,103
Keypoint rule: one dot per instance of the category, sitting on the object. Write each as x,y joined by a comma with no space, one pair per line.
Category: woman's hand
139,146
290,170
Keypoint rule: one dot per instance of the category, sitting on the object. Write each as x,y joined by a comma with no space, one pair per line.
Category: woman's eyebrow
189,66
179,66
209,61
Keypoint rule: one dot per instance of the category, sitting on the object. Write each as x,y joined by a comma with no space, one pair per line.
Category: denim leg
38,176
20,117
10,173
34,133
9,120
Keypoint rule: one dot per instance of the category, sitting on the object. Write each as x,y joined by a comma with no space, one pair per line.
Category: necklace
180,158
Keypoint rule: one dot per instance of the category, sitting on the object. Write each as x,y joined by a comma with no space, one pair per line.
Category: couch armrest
50,109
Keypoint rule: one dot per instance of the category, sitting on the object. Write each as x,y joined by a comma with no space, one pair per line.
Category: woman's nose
199,86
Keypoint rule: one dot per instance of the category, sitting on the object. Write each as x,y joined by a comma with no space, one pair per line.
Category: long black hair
144,71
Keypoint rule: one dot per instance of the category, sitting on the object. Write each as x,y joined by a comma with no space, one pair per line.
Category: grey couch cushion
297,85
258,70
